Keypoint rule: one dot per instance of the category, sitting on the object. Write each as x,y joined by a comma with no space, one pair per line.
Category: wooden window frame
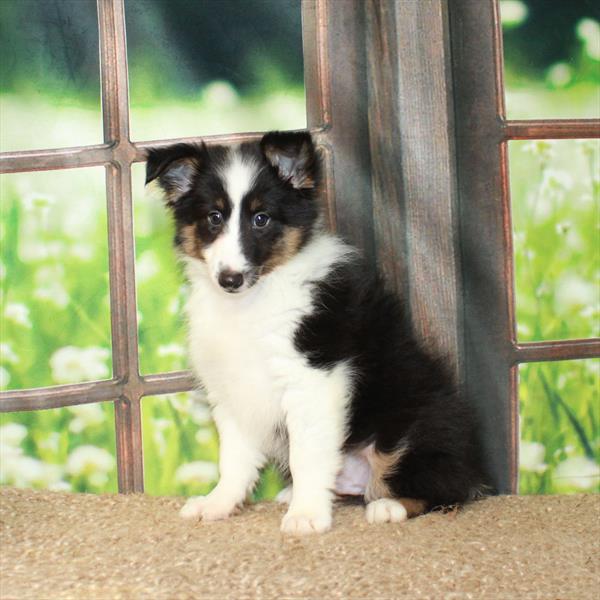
416,175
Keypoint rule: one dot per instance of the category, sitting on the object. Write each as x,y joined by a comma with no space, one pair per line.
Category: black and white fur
306,358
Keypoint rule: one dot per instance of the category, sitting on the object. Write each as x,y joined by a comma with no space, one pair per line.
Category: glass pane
49,74
55,309
64,449
551,58
159,281
181,448
555,188
560,427
214,66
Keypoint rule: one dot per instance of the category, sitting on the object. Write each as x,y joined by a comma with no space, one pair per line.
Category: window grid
490,135
117,154
482,156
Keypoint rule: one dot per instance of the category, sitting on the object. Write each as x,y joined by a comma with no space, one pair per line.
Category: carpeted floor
88,547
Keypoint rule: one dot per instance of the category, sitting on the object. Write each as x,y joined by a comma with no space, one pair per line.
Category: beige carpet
58,545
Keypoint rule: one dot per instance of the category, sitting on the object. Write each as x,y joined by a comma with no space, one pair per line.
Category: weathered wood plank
485,232
411,131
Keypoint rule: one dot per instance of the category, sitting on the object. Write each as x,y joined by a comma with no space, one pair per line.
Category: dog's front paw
206,508
386,510
303,522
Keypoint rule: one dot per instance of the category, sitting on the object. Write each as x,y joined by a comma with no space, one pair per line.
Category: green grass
54,295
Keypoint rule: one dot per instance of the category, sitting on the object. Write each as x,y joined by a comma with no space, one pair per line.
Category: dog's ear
175,168
294,156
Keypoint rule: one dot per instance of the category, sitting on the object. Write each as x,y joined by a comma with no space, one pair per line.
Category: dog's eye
261,220
215,218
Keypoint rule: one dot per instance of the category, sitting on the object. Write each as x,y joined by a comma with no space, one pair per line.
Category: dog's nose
230,280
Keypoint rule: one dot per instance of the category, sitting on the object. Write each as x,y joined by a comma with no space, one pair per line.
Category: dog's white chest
242,349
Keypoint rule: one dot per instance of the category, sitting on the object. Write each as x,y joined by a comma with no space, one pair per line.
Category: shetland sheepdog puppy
307,360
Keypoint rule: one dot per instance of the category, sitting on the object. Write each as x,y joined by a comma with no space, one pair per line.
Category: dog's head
241,210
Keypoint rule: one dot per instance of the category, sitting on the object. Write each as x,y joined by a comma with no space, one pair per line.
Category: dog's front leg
315,410
239,464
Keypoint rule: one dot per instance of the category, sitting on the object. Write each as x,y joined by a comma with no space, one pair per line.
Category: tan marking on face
382,465
190,242
220,204
255,205
286,248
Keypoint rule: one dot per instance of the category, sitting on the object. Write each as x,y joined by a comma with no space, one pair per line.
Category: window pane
552,58
159,281
560,431
181,448
214,66
55,313
555,190
49,74
66,449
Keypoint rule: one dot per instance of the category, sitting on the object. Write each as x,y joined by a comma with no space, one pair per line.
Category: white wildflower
531,457
574,292
98,479
197,472
7,354
541,149
180,402
592,366
200,413
176,350
81,224
559,75
588,31
147,266
563,227
82,251
34,250
18,313
513,13
588,147
27,470
577,471
86,415
555,183
24,471
9,461
60,486
523,330
204,436
37,201
49,274
12,434
71,364
589,312
50,475
55,293
50,287
4,378
159,426
50,442
220,94
87,460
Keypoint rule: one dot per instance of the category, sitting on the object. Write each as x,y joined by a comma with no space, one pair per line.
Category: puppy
307,360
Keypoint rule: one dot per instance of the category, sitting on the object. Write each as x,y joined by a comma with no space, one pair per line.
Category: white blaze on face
226,252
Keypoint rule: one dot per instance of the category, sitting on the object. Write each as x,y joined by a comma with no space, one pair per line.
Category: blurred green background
199,67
